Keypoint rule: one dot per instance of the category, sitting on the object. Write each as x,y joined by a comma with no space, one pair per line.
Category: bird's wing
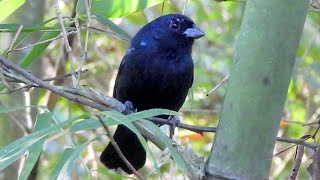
126,73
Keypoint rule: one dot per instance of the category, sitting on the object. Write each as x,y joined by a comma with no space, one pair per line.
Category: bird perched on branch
156,72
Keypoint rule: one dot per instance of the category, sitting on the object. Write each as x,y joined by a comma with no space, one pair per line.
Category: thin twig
299,142
42,42
64,32
16,89
11,77
76,23
4,80
297,163
60,77
116,147
84,54
66,43
218,85
17,79
284,150
97,30
15,38
88,7
201,111
54,18
317,121
197,129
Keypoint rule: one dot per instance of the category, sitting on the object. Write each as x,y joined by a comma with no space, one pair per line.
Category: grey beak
194,32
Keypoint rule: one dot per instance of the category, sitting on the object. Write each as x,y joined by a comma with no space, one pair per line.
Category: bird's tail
131,148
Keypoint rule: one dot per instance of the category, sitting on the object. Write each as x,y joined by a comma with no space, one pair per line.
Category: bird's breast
164,84
155,81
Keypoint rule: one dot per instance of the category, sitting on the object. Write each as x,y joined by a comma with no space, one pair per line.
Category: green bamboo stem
263,63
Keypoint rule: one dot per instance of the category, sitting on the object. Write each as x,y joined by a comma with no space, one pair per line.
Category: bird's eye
174,26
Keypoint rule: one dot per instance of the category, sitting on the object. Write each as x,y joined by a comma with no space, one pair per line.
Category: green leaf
167,141
7,7
25,35
66,164
123,119
115,9
151,113
42,121
66,154
26,28
14,150
37,50
113,27
13,109
4,162
89,124
2,86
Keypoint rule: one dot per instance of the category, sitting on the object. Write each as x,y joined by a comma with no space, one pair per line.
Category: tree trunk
256,93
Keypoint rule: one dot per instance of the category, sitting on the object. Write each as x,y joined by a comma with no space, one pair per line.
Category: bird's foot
129,108
175,123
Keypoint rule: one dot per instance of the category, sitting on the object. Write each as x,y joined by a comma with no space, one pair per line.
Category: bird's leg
175,123
129,108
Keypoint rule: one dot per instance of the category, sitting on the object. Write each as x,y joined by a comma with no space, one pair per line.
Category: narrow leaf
89,124
13,109
58,167
26,28
68,161
4,162
117,8
151,113
123,119
17,148
113,27
7,7
37,50
34,151
167,141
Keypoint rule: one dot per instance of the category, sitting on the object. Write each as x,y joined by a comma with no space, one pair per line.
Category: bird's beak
194,32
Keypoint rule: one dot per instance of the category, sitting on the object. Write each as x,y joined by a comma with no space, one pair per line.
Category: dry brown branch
297,163
314,168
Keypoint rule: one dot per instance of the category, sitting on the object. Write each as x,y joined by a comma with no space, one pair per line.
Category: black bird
156,72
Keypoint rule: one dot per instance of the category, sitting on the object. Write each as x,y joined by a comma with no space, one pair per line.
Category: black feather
156,72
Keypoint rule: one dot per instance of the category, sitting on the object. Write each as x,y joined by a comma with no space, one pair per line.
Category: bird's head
170,31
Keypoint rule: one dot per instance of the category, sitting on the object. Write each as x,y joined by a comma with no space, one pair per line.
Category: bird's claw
175,121
129,108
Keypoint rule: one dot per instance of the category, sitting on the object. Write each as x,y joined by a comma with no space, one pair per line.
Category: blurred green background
106,46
